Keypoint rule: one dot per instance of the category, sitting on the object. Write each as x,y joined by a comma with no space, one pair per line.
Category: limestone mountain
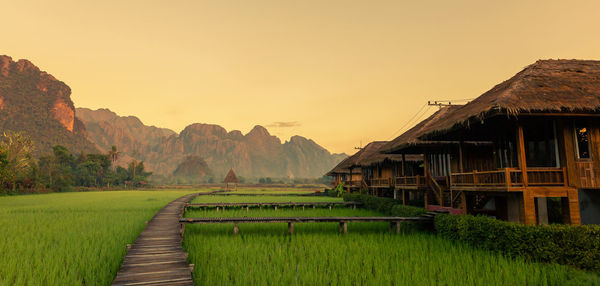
255,154
37,104
126,132
193,169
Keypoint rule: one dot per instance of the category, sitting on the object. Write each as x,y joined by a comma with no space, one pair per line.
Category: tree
17,151
114,154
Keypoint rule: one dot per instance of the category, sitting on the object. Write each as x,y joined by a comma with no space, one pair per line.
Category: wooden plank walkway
343,221
275,204
157,257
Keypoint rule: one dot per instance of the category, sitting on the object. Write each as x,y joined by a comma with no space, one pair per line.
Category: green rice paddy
80,239
72,238
316,254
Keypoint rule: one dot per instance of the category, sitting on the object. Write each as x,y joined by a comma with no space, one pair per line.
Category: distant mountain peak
36,103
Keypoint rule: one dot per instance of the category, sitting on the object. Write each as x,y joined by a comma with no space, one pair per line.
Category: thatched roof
411,137
545,86
362,154
378,157
231,177
338,169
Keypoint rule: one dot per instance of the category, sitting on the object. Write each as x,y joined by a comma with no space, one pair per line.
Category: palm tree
114,154
17,149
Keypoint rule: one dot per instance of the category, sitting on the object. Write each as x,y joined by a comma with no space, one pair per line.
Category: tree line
61,170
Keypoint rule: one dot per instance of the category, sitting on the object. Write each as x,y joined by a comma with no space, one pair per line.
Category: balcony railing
353,183
510,177
381,182
411,181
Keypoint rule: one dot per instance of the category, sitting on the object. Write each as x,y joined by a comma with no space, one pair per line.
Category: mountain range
34,102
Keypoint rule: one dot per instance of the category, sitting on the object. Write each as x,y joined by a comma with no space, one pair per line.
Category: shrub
577,246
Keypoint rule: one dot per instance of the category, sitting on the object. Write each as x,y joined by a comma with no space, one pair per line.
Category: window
582,139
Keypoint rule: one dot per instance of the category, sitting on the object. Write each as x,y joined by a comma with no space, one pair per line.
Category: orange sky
339,72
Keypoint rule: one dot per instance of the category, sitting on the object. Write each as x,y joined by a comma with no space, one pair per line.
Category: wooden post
475,179
463,201
246,208
217,209
403,165
275,207
570,207
460,157
290,227
426,202
394,227
507,177
403,197
329,207
343,227
529,211
522,155
235,228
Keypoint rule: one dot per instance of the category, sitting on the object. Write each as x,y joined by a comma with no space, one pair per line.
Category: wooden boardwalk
275,204
157,257
343,221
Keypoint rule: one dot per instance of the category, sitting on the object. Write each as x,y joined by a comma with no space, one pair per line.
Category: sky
342,73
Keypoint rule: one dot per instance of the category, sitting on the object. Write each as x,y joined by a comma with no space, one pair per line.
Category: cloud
284,124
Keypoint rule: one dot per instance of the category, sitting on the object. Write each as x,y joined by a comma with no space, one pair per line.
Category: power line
418,114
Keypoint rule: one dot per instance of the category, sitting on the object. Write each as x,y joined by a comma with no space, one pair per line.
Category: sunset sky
338,72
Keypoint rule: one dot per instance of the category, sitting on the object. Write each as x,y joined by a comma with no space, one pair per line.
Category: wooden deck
156,257
276,204
343,221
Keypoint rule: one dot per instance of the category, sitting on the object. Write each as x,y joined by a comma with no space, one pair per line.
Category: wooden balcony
352,184
411,182
381,183
508,179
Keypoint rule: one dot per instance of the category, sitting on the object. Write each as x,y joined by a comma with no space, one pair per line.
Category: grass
72,238
316,254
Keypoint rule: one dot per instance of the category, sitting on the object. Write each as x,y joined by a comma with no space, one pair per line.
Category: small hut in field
231,178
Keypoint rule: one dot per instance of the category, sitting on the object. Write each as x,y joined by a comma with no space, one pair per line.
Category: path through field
156,257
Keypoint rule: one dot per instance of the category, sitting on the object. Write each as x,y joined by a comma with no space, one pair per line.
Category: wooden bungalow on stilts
429,184
231,178
543,163
347,173
339,174
380,170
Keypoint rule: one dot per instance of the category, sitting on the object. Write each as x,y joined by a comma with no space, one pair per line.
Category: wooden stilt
570,207
395,227
235,229
343,227
290,227
529,208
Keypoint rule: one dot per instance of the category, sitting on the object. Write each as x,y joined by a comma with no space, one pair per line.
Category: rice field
72,238
316,254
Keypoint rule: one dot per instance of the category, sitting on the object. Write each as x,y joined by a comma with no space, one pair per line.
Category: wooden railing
353,183
413,181
510,177
381,182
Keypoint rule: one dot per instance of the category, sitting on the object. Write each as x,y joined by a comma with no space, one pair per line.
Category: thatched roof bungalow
543,124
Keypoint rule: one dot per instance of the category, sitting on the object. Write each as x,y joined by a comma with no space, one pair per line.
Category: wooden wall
582,173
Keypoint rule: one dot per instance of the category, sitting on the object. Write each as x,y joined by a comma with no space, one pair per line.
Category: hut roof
362,154
338,169
378,156
411,137
231,177
546,86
